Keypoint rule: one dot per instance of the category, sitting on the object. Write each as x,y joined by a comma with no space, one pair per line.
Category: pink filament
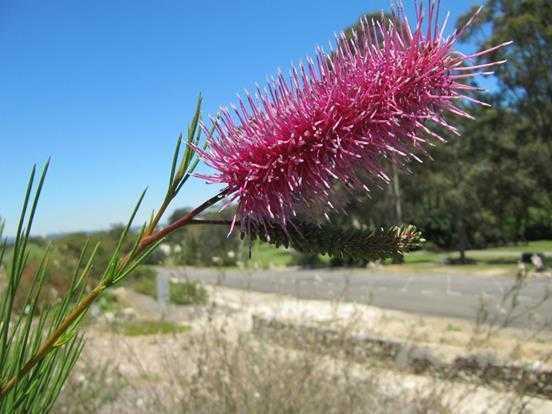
336,119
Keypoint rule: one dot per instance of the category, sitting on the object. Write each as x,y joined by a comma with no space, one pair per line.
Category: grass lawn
503,258
497,259
264,255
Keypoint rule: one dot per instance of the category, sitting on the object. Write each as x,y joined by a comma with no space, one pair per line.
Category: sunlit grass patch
140,328
264,256
502,259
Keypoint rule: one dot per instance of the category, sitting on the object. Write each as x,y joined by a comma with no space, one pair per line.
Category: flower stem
216,222
181,222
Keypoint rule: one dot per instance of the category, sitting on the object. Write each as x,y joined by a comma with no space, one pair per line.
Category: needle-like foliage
39,347
21,334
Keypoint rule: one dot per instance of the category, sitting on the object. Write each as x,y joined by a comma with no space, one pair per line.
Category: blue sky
105,87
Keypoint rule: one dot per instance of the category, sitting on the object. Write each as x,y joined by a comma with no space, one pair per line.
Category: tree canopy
492,185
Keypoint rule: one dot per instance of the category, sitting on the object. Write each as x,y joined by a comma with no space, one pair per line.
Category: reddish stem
182,221
217,222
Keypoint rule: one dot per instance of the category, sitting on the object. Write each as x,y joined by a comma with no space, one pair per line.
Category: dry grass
252,376
93,386
214,372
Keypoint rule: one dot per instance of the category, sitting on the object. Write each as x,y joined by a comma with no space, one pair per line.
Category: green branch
339,242
24,351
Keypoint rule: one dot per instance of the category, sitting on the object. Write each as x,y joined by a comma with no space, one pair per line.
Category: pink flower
336,118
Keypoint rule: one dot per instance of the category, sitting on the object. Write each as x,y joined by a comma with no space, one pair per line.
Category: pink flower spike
337,117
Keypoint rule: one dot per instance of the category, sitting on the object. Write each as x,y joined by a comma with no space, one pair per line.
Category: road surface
445,295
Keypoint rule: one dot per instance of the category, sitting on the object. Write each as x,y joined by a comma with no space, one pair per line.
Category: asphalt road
446,295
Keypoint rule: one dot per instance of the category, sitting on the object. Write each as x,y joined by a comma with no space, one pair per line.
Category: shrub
144,284
306,260
187,293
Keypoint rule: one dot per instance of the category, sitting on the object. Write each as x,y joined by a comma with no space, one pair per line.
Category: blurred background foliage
205,245
491,187
64,252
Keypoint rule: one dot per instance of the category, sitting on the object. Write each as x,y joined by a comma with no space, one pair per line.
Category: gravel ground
139,372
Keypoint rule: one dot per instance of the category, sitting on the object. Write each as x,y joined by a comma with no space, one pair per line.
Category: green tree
472,193
493,184
525,86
